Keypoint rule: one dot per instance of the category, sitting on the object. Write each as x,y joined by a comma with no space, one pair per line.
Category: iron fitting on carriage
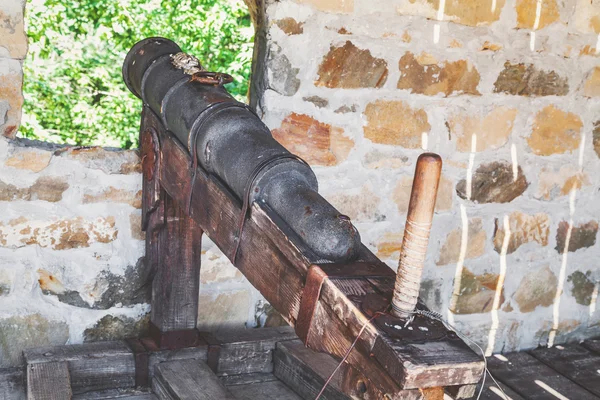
229,141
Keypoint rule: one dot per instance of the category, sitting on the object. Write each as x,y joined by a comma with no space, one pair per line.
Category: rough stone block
20,332
556,182
582,287
58,235
555,132
489,131
389,245
449,77
224,311
114,195
586,17
524,229
360,207
591,86
528,16
331,6
348,67
316,142
111,161
34,160
527,80
465,12
11,96
396,123
494,183
476,240
477,293
12,29
580,237
290,26
537,289
443,202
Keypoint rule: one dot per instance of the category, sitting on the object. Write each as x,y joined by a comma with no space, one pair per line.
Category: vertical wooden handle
416,234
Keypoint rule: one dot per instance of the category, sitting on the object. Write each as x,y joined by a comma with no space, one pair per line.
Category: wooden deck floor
273,365
562,372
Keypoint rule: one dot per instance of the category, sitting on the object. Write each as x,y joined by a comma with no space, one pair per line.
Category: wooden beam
277,263
93,366
48,381
188,380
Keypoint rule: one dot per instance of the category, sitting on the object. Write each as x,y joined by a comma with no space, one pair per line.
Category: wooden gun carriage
335,293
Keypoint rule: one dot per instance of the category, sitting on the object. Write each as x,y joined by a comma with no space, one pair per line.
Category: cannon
210,166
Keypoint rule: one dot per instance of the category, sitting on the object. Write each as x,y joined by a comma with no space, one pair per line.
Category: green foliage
74,92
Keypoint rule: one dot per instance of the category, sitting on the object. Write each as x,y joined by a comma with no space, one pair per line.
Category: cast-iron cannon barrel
230,142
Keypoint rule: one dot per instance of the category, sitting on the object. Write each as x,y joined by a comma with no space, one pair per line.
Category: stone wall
506,91
71,265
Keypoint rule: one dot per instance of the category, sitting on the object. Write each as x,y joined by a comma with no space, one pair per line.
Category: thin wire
429,314
347,354
438,316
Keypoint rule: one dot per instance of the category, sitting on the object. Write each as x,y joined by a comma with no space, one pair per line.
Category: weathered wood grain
575,362
250,351
276,264
188,380
273,390
12,383
305,371
247,379
527,376
48,381
121,394
92,366
592,345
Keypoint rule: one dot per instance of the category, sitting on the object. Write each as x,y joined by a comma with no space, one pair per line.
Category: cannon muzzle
229,141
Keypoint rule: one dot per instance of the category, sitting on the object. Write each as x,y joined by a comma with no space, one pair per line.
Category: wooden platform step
119,394
188,380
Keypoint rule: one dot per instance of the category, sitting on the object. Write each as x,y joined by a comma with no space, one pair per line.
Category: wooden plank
245,379
276,264
158,356
592,345
121,394
273,390
251,350
534,380
305,371
575,362
92,366
492,392
12,384
177,281
189,380
48,381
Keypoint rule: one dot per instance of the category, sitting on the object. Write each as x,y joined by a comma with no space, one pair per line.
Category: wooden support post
48,381
416,234
177,280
